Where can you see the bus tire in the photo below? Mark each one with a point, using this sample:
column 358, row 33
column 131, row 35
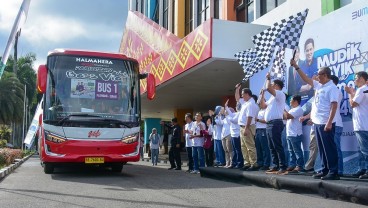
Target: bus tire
column 117, row 168
column 48, row 168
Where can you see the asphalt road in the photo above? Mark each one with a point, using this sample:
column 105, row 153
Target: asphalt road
column 139, row 185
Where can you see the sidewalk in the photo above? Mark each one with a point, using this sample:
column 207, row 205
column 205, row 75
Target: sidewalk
column 347, row 189
column 164, row 158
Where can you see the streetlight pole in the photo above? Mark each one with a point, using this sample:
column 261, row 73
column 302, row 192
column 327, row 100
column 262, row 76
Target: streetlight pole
column 24, row 112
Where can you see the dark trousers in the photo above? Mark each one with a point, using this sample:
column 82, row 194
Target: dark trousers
column 238, row 160
column 263, row 150
column 174, row 156
column 190, row 158
column 274, row 130
column 327, row 148
column 208, row 155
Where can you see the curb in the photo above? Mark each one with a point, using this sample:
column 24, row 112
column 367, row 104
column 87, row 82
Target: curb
column 346, row 190
column 163, row 161
column 7, row 170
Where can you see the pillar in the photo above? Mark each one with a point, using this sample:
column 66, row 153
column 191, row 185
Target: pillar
column 180, row 115
column 149, row 124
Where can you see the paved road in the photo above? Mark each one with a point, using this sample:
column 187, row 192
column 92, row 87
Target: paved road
column 139, row 185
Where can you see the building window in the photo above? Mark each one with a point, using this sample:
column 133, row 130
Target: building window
column 165, row 16
column 173, row 16
column 217, row 9
column 137, row 5
column 240, row 11
column 250, row 11
column 188, row 16
column 142, row 6
column 268, row 5
column 203, row 10
column 156, row 13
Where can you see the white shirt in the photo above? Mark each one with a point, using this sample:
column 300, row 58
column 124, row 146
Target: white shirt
column 287, row 108
column 275, row 106
column 260, row 116
column 225, row 128
column 248, row 109
column 232, row 118
column 360, row 112
column 294, row 126
column 188, row 141
column 324, row 96
column 338, row 118
column 196, row 129
column 217, row 130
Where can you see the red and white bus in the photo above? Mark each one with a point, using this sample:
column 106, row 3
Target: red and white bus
column 91, row 109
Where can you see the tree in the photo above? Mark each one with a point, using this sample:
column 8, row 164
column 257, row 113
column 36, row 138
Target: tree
column 25, row 74
column 11, row 98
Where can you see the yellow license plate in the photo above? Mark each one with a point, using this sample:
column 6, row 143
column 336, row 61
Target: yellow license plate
column 92, row 160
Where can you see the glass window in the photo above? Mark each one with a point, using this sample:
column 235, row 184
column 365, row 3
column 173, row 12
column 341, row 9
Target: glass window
column 203, row 10
column 268, row 5
column 173, row 16
column 166, row 14
column 142, row 6
column 240, row 11
column 250, row 11
column 217, row 9
column 156, row 13
column 188, row 16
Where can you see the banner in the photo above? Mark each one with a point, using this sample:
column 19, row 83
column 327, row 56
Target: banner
column 19, row 21
column 29, row 139
column 339, row 41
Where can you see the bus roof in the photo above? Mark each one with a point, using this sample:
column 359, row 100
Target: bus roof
column 89, row 53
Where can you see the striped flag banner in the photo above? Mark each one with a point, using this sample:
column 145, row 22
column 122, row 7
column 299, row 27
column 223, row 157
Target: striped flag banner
column 19, row 21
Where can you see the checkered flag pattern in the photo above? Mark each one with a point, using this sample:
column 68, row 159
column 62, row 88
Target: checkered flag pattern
column 284, row 34
column 278, row 69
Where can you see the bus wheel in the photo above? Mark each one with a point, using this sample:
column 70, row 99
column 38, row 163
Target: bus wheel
column 48, row 168
column 117, row 168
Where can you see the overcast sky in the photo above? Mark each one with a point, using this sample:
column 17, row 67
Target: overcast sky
column 79, row 24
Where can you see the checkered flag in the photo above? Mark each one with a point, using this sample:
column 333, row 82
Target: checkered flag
column 284, row 34
column 278, row 69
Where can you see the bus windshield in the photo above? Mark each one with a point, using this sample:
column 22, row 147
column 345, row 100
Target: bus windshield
column 95, row 86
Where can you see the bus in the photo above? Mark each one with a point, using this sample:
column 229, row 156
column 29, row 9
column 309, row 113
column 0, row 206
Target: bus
column 91, row 109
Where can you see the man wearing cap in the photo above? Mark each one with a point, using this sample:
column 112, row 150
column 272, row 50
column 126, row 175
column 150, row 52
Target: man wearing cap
column 246, row 121
column 217, row 130
column 322, row 115
column 174, row 152
column 274, row 117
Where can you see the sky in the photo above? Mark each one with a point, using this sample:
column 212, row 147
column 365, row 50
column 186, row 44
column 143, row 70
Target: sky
column 78, row 24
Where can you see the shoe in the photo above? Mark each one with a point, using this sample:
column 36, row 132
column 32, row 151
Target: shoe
column 244, row 168
column 330, row 177
column 274, row 169
column 364, row 176
column 359, row 173
column 188, row 171
column 309, row 170
column 253, row 168
column 281, row 172
column 171, row 168
column 298, row 170
column 194, row 172
column 264, row 168
column 178, row 168
column 318, row 175
column 290, row 168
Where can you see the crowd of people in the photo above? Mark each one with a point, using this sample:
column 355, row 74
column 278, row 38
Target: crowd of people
column 250, row 138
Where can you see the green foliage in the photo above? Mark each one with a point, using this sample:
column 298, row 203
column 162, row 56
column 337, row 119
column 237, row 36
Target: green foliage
column 5, row 133
column 3, row 143
column 11, row 98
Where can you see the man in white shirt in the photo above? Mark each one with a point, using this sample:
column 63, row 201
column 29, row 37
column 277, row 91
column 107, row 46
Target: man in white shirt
column 188, row 140
column 247, row 125
column 273, row 116
column 217, row 131
column 322, row 115
column 338, row 129
column 359, row 102
column 294, row 132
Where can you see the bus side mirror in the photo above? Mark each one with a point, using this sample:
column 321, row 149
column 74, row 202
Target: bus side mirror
column 41, row 79
column 151, row 86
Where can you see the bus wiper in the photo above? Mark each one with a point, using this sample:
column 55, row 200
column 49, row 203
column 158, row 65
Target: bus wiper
column 116, row 121
column 80, row 115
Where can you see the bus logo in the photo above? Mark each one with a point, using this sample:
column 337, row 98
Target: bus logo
column 94, row 134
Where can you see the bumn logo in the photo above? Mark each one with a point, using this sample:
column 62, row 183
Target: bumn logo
column 94, row 134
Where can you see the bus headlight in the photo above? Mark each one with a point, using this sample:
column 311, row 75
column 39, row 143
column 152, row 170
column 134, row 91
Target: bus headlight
column 54, row 138
column 130, row 139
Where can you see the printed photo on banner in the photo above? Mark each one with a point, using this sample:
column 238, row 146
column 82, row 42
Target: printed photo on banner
column 83, row 88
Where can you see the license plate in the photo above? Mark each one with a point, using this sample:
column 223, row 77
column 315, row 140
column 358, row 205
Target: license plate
column 92, row 160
